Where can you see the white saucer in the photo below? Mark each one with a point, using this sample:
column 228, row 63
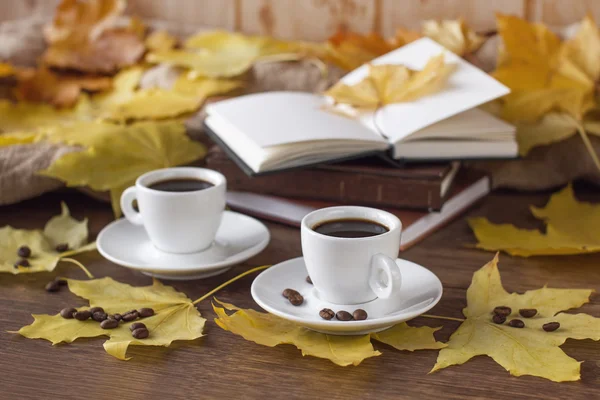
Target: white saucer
column 421, row 290
column 239, row 237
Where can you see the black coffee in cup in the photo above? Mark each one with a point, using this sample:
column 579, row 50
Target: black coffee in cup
column 181, row 185
column 350, row 228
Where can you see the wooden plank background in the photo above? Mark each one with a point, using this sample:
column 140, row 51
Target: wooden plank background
column 317, row 19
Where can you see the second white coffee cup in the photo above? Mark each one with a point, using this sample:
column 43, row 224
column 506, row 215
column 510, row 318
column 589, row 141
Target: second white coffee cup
column 177, row 222
column 352, row 270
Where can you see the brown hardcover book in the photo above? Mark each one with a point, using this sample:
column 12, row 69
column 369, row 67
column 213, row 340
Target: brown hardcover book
column 370, row 181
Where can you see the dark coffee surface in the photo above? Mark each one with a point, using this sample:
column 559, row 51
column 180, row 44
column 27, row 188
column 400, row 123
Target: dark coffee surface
column 350, row 228
column 180, row 185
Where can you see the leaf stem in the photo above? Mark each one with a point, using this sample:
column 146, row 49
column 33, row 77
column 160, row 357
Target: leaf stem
column 221, row 286
column 80, row 265
column 440, row 317
column 587, row 143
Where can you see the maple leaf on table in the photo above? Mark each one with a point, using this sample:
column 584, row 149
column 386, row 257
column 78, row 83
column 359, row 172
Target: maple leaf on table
column 570, row 229
column 454, row 35
column 175, row 318
column 526, row 351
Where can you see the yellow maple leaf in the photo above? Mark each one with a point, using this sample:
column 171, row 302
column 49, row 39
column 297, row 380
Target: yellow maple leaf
column 160, row 40
column 392, row 83
column 117, row 154
column 269, row 330
column 349, row 50
column 584, row 48
column 26, row 116
column 570, row 229
column 61, row 229
column 526, row 351
column 454, row 35
column 175, row 317
column 6, row 70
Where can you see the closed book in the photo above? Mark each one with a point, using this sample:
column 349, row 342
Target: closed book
column 369, row 181
column 416, row 225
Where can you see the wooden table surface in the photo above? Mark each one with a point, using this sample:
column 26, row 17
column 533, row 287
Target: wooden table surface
column 222, row 365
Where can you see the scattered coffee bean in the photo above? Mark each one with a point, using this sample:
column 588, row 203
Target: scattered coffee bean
column 498, row 319
column 24, row 252
column 309, row 280
column 99, row 316
column 145, row 312
column 296, row 299
column 22, row 263
column 502, row 310
column 327, row 314
column 343, row 315
column 137, row 325
column 82, row 315
column 109, row 323
column 53, row 286
column 551, row 326
column 288, row 292
column 62, row 247
column 359, row 314
column 516, row 323
column 130, row 316
column 140, row 333
column 67, row 313
column 527, row 312
column 96, row 309
column 118, row 317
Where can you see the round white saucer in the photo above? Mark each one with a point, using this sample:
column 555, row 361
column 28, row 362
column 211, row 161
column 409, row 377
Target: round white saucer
column 238, row 238
column 421, row 290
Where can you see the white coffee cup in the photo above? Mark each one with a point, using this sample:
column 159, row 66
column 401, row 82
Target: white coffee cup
column 352, row 270
column 177, row 222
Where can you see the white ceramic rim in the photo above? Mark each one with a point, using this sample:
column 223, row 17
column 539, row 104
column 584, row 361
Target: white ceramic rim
column 352, row 325
column 385, row 218
column 205, row 174
column 239, row 257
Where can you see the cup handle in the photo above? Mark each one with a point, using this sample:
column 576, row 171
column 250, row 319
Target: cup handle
column 384, row 266
column 127, row 198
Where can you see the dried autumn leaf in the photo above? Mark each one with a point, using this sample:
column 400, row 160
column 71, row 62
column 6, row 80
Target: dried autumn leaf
column 58, row 230
column 160, row 41
column 44, row 86
column 570, row 229
column 269, row 330
column 205, row 87
column 175, row 318
column 17, row 117
column 349, row 50
column 117, row 154
column 6, row 70
column 526, row 351
column 391, row 83
column 454, row 35
column 584, row 48
column 153, row 104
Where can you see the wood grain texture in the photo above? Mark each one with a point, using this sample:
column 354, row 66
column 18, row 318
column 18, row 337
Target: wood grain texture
column 222, row 365
column 560, row 12
column 204, row 13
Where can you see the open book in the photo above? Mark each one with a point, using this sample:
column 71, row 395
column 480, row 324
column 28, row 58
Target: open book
column 274, row 131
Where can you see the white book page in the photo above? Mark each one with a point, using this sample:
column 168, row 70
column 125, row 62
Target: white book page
column 467, row 87
column 279, row 118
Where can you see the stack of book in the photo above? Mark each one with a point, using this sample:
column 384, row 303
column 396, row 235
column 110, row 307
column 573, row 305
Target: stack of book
column 404, row 157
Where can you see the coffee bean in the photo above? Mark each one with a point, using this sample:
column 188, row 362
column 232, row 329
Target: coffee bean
column 24, row 252
column 109, row 323
column 359, row 314
column 137, row 325
column 327, row 314
column 22, row 263
column 498, row 319
column 551, row 326
column 309, row 280
column 296, row 299
column 62, row 247
column 67, row 313
column 130, row 316
column 527, row 312
column 343, row 315
column 145, row 312
column 96, row 309
column 502, row 310
column 53, row 286
column 118, row 317
column 288, row 292
column 99, row 316
column 516, row 323
column 140, row 333
column 82, row 315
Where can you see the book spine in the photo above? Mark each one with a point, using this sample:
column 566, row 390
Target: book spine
column 336, row 186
